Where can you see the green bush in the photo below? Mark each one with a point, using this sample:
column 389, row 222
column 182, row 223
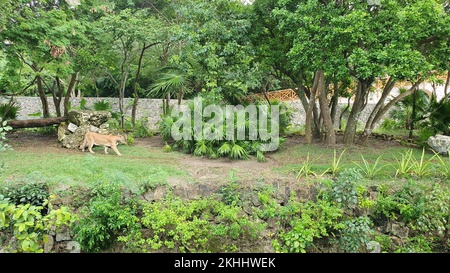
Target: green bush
column 28, row 224
column 32, row 189
column 201, row 225
column 8, row 111
column 221, row 145
column 355, row 235
column 3, row 130
column 310, row 221
column 105, row 217
column 343, row 190
column 102, row 105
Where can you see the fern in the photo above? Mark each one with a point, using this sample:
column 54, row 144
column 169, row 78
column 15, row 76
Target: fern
column 225, row 149
column 237, row 152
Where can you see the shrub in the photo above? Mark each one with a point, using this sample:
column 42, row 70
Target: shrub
column 8, row 111
column 315, row 220
column 104, row 218
column 102, row 105
column 32, row 189
column 3, row 130
column 343, row 190
column 354, row 235
column 27, row 224
column 201, row 225
column 221, row 144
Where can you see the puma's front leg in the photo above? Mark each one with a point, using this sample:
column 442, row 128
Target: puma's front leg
column 90, row 148
column 115, row 150
column 106, row 150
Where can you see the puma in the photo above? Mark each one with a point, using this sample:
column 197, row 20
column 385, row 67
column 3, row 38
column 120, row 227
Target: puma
column 108, row 141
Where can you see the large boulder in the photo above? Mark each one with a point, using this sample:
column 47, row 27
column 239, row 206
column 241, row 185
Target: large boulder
column 88, row 117
column 71, row 134
column 440, row 143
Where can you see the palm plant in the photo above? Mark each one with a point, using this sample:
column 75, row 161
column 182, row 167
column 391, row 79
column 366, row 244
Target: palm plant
column 438, row 117
column 171, row 81
column 411, row 109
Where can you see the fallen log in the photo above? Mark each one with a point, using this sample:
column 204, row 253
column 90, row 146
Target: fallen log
column 30, row 123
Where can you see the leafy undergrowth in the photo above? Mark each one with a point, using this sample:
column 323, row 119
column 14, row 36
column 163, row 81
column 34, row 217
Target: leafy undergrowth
column 314, row 199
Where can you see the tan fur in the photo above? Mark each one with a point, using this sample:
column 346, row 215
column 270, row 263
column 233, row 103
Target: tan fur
column 108, row 141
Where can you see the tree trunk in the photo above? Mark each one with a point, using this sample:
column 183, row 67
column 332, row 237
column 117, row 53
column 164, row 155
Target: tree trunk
column 334, row 102
column 413, row 114
column 57, row 97
column 358, row 105
column 309, row 110
column 447, row 81
column 330, row 136
column 343, row 113
column 392, row 102
column 43, row 97
column 302, row 93
column 30, row 123
column 370, row 123
column 136, row 95
column 121, row 99
column 70, row 88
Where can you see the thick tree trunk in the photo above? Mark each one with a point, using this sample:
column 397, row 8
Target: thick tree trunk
column 334, row 102
column 358, row 105
column 370, row 123
column 70, row 88
column 57, row 97
column 30, row 123
column 43, row 97
column 309, row 110
column 302, row 93
column 384, row 109
column 344, row 111
column 392, row 102
column 330, row 136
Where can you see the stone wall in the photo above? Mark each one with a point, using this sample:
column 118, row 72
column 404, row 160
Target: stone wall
column 149, row 109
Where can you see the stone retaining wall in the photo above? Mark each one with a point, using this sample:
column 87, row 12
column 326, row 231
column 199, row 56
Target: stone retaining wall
column 148, row 109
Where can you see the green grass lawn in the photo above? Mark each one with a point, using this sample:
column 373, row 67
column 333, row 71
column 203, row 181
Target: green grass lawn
column 137, row 164
column 152, row 165
column 381, row 162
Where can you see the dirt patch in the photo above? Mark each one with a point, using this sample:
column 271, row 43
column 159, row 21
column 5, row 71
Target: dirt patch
column 36, row 142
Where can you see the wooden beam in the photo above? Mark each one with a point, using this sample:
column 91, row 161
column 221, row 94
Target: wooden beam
column 30, row 123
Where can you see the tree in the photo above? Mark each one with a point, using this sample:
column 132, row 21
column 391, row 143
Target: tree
column 360, row 41
column 272, row 39
column 129, row 34
column 215, row 44
column 419, row 54
column 43, row 37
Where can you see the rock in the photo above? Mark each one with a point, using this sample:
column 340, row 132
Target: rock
column 74, row 140
column 63, row 234
column 74, row 247
column 87, row 117
column 72, row 127
column 48, row 246
column 62, row 131
column 399, row 230
column 440, row 144
column 374, row 247
column 71, row 136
